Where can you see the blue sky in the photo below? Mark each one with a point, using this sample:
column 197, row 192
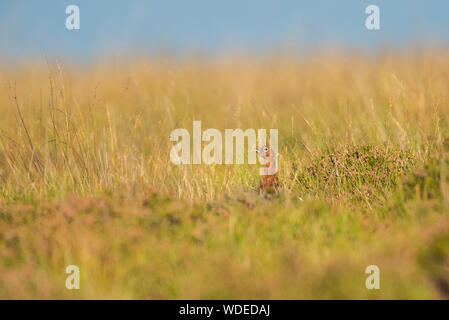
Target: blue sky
column 30, row 28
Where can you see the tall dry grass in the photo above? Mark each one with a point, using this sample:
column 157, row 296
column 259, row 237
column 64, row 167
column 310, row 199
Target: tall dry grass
column 78, row 130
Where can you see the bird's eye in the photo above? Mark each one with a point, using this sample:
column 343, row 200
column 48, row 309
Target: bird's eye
column 265, row 149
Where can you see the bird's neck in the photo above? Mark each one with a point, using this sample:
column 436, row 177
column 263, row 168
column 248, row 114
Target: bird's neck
column 270, row 167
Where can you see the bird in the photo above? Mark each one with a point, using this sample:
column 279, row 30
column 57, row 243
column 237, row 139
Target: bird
column 269, row 181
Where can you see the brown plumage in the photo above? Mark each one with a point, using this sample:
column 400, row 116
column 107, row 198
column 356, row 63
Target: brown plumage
column 269, row 181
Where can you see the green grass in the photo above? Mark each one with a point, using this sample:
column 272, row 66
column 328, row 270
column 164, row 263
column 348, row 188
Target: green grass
column 85, row 179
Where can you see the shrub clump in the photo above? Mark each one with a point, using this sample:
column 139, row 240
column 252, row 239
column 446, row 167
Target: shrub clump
column 355, row 172
column 428, row 181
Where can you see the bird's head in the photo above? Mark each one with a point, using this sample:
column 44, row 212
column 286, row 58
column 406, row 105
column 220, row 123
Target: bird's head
column 265, row 152
column 268, row 158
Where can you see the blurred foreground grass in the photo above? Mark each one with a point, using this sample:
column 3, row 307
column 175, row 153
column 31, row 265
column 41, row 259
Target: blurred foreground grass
column 85, row 179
